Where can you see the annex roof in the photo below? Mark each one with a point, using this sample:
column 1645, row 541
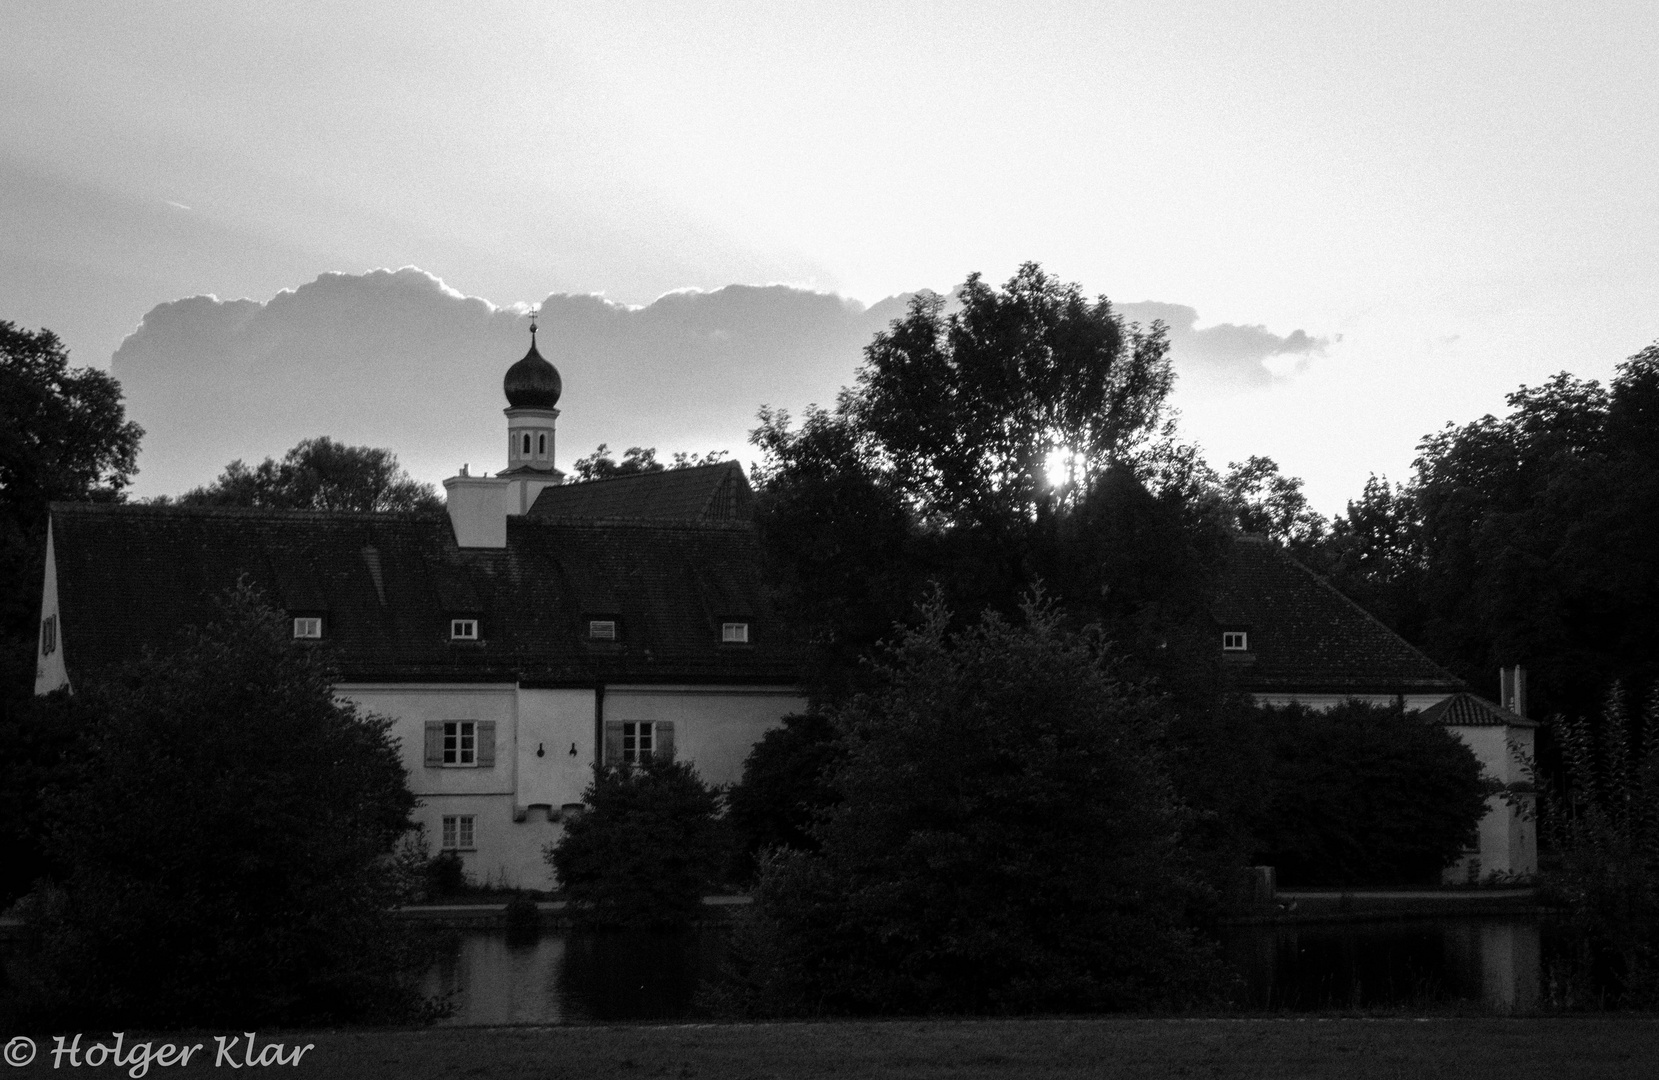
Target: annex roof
column 1306, row 637
column 718, row 492
column 1469, row 710
column 387, row 585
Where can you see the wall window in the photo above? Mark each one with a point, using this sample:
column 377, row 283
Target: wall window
column 634, row 742
column 1235, row 641
column 463, row 629
column 457, row 832
column 734, row 633
column 460, row 742
column 602, row 630
column 308, row 626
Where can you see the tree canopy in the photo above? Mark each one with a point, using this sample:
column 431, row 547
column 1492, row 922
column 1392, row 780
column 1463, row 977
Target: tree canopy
column 226, row 837
column 64, row 435
column 319, row 474
column 1006, row 840
column 600, row 465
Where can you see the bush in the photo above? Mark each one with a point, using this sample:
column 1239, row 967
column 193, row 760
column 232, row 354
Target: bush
column 783, row 790
column 1364, row 795
column 1006, row 840
column 229, row 836
column 446, row 874
column 649, row 844
column 1601, row 830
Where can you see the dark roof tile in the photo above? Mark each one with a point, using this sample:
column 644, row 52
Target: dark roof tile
column 717, row 492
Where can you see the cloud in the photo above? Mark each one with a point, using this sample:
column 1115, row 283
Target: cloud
column 1227, row 356
column 400, row 359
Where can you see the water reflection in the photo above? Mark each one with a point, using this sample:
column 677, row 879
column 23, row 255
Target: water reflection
column 602, row 978
column 1493, row 962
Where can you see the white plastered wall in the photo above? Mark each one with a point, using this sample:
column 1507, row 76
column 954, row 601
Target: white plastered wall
column 51, row 672
column 515, row 805
column 714, row 726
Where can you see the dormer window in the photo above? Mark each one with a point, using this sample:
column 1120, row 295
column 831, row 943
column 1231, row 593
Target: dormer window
column 308, row 627
column 463, row 629
column 602, row 630
column 734, row 633
column 1235, row 641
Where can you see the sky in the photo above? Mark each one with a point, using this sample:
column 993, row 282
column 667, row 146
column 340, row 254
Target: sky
column 1372, row 218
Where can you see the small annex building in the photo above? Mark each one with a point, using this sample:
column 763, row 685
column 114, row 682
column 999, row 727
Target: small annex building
column 1288, row 635
column 534, row 628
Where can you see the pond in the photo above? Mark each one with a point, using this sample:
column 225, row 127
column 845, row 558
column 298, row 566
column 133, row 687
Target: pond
column 565, row 978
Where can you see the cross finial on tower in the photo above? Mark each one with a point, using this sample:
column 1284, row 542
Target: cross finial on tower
column 535, row 313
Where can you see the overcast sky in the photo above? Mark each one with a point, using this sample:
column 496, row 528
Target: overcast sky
column 1384, row 216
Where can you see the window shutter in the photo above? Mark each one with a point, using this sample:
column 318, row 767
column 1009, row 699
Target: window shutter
column 613, row 742
column 486, row 744
column 664, row 731
column 434, row 743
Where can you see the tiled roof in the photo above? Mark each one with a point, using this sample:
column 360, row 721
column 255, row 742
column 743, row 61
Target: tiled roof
column 701, row 493
column 1468, row 710
column 1307, row 637
column 387, row 585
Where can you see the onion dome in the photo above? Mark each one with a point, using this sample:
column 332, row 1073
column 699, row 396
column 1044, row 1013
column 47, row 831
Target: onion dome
column 532, row 383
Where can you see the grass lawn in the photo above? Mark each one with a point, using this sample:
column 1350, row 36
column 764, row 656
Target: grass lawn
column 1279, row 1048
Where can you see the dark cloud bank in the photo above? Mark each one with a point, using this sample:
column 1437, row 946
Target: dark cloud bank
column 395, row 358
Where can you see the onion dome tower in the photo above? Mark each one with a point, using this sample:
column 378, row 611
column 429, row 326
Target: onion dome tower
column 532, row 387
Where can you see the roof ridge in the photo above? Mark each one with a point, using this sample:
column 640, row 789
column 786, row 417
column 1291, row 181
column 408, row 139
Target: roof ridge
column 650, row 472
column 178, row 510
column 545, row 520
column 1325, row 583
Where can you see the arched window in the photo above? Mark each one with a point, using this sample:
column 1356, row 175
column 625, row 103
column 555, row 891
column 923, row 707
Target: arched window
column 541, row 444
column 526, row 444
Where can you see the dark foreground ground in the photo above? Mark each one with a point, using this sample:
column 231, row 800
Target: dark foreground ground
column 1283, row 1049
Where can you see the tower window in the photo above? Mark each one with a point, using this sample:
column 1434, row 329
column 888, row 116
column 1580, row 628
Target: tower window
column 541, row 445
column 526, row 444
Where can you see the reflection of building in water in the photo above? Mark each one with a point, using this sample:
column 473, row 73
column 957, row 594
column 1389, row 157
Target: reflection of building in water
column 1287, row 635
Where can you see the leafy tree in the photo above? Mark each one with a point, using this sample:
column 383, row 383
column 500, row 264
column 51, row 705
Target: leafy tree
column 972, row 408
column 599, row 465
column 64, row 435
column 1600, row 826
column 227, row 839
column 784, row 788
column 645, row 850
column 320, row 474
column 1006, row 840
column 1270, row 504
column 1364, row 795
column 1531, row 538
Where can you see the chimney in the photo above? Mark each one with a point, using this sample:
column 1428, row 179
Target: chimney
column 1512, row 689
column 477, row 510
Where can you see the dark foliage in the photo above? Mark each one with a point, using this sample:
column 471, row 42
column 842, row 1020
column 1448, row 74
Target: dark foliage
column 599, row 465
column 446, row 874
column 1006, row 841
column 1600, row 823
column 645, row 850
column 784, row 788
column 320, row 474
column 1363, row 795
column 64, row 435
column 228, row 839
column 38, row 745
column 1530, row 539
